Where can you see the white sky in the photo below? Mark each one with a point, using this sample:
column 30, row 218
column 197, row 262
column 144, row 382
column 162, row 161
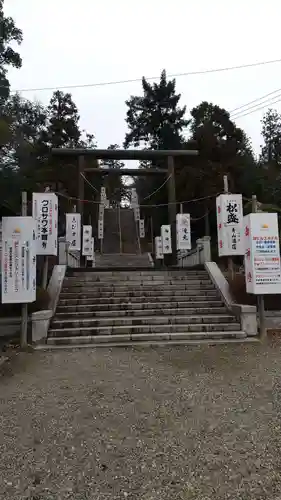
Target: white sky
column 68, row 42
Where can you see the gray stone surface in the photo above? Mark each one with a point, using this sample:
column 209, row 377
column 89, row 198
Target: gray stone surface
column 155, row 424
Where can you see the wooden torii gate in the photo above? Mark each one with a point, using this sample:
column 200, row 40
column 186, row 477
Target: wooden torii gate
column 131, row 154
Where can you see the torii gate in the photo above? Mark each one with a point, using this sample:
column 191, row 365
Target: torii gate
column 131, row 154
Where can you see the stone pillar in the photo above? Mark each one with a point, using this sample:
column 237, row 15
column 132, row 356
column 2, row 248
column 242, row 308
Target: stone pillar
column 205, row 242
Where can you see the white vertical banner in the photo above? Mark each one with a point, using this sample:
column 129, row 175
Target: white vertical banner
column 102, row 194
column 137, row 213
column 91, row 255
column 166, row 239
column 45, row 213
column 18, row 260
column 141, row 228
column 183, row 232
column 86, row 240
column 134, row 198
column 230, row 224
column 100, row 229
column 158, row 247
column 73, row 231
column 262, row 253
column 101, row 211
column 106, row 203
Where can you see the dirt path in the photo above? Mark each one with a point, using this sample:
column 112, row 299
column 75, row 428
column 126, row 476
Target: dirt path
column 165, row 424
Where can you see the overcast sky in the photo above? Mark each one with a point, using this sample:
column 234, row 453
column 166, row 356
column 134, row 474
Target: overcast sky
column 68, row 42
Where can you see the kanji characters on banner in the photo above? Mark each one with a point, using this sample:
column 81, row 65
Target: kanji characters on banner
column 142, row 228
column 86, row 240
column 262, row 253
column 45, row 213
column 103, row 194
column 91, row 255
column 183, row 232
column 100, row 229
column 158, row 248
column 18, row 260
column 137, row 213
column 166, row 239
column 73, row 231
column 230, row 224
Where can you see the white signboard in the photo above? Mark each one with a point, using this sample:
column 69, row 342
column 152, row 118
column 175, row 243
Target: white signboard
column 91, row 255
column 137, row 213
column 73, row 231
column 101, row 211
column 102, row 195
column 183, row 232
column 106, row 203
column 262, row 253
column 142, row 229
column 86, row 240
column 230, row 224
column 158, row 248
column 18, row 260
column 100, row 229
column 45, row 213
column 166, row 239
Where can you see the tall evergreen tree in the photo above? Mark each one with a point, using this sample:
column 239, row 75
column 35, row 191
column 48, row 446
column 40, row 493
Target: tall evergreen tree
column 9, row 34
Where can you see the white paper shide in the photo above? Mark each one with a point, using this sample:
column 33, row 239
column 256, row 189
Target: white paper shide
column 166, row 239
column 18, row 260
column 230, row 224
column 86, row 240
column 262, row 253
column 183, row 232
column 73, row 231
column 45, row 213
column 158, row 247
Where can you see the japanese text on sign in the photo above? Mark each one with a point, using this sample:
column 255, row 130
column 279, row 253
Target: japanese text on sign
column 73, row 231
column 45, row 213
column 230, row 224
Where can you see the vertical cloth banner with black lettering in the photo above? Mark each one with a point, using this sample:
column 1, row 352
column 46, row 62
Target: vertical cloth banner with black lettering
column 230, row 224
column 45, row 213
column 183, row 232
column 18, row 260
column 91, row 255
column 73, row 231
column 166, row 239
column 86, row 240
column 158, row 248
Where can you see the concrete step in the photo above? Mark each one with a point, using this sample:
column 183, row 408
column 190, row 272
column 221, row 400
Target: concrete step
column 140, row 299
column 99, row 277
column 119, row 275
column 135, row 283
column 86, row 289
column 160, row 337
column 69, row 331
column 142, row 320
column 136, row 312
column 138, row 293
column 140, row 306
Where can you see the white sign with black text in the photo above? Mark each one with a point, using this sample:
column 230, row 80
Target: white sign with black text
column 86, row 240
column 230, row 224
column 45, row 213
column 142, row 229
column 91, row 255
column 73, row 231
column 100, row 229
column 183, row 232
column 18, row 260
column 158, row 248
column 137, row 213
column 166, row 239
column 262, row 253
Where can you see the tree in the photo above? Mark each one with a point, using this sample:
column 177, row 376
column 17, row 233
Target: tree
column 270, row 158
column 8, row 56
column 156, row 118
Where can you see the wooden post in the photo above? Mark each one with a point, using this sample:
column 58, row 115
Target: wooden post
column 229, row 259
column 24, row 308
column 172, row 207
column 120, row 230
column 152, row 235
column 81, row 168
column 260, row 298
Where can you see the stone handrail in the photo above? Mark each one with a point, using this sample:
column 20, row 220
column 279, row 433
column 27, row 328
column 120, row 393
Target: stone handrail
column 198, row 255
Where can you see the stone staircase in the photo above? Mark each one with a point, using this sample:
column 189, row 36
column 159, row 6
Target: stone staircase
column 130, row 307
column 123, row 260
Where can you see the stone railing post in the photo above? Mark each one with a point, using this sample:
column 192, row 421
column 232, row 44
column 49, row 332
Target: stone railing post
column 205, row 243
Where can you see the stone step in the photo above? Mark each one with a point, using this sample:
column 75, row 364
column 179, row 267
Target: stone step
column 156, row 337
column 69, row 331
column 132, row 274
column 138, row 293
column 135, row 283
column 140, row 306
column 136, row 312
column 142, row 320
column 93, row 278
column 141, row 299
column 153, row 287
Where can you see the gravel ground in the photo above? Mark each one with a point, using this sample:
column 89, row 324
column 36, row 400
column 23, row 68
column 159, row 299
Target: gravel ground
column 165, row 424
